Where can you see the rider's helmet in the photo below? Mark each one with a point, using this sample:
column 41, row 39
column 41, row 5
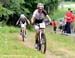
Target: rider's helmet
column 22, row 16
column 40, row 5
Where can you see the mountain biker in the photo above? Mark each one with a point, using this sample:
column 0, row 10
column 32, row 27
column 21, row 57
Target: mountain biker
column 38, row 17
column 23, row 20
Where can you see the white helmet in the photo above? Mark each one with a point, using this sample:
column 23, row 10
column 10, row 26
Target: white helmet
column 22, row 16
column 40, row 5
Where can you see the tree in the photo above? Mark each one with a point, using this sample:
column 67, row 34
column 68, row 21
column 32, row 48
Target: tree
column 27, row 7
column 4, row 12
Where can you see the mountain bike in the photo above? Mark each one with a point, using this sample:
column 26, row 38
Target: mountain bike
column 42, row 38
column 23, row 32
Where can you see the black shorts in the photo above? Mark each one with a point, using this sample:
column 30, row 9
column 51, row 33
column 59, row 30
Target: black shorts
column 60, row 27
column 54, row 28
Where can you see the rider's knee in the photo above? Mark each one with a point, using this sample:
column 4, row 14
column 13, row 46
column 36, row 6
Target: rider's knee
column 37, row 32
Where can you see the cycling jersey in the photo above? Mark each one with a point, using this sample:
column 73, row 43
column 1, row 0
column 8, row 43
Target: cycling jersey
column 22, row 20
column 39, row 17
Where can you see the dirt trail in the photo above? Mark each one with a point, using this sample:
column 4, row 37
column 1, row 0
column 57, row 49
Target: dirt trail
column 28, row 43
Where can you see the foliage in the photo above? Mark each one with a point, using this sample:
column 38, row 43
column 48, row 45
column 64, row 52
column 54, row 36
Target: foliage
column 13, row 8
column 11, row 47
column 4, row 12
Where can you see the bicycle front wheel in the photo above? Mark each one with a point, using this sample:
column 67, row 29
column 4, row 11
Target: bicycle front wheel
column 43, row 43
column 23, row 36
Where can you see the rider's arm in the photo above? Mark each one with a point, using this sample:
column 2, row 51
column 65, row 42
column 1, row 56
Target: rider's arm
column 32, row 20
column 47, row 15
column 17, row 21
column 48, row 18
column 27, row 20
column 33, row 17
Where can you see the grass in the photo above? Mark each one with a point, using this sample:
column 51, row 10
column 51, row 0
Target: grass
column 10, row 47
column 69, row 3
column 59, row 14
column 60, row 45
column 10, row 29
column 56, row 15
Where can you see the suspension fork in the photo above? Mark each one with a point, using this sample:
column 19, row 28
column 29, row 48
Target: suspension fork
column 41, row 31
column 40, row 34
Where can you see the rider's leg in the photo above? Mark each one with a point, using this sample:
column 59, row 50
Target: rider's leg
column 36, row 36
column 36, row 33
column 22, row 29
column 25, row 32
column 25, row 27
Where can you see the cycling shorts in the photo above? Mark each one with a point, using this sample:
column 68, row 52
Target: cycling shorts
column 38, row 27
column 23, row 25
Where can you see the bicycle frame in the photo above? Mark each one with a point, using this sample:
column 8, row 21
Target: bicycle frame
column 23, row 32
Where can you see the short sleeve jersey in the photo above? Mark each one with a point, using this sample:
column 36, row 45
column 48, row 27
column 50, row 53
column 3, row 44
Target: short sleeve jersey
column 39, row 17
column 22, row 20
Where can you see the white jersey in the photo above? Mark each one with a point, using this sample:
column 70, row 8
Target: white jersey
column 39, row 16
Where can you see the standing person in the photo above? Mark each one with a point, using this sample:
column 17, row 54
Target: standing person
column 54, row 25
column 37, row 18
column 60, row 25
column 63, row 26
column 72, row 21
column 68, row 18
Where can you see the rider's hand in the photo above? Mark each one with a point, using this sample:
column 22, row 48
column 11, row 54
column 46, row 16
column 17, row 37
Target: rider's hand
column 16, row 23
column 32, row 23
column 29, row 22
column 50, row 23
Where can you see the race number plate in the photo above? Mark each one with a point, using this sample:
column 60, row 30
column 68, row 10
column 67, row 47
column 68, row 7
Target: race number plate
column 22, row 25
column 42, row 25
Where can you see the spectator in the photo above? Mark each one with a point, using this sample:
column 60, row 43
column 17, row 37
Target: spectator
column 72, row 22
column 68, row 18
column 60, row 25
column 63, row 26
column 54, row 25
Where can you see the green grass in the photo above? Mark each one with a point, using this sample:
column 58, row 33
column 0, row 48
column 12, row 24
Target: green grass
column 10, row 47
column 59, row 14
column 60, row 45
column 10, row 29
column 69, row 3
column 56, row 15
